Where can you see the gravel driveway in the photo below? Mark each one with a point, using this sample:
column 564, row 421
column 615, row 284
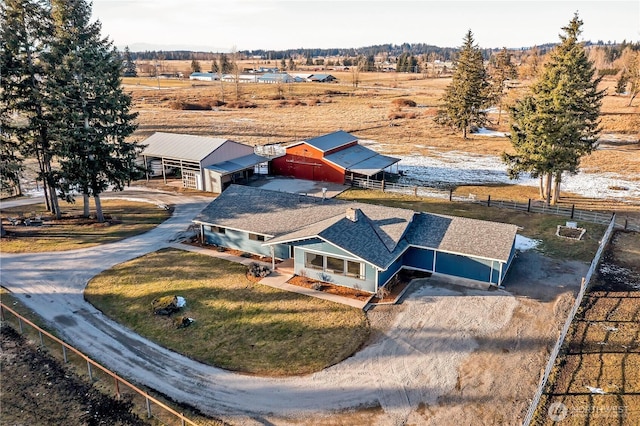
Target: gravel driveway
column 412, row 359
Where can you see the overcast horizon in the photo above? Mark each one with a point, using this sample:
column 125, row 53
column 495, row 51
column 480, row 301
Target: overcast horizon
column 219, row 26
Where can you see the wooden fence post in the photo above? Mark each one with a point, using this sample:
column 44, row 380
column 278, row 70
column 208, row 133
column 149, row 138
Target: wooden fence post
column 382, row 185
column 573, row 210
column 450, row 194
column 489, row 201
column 64, row 354
column 415, row 191
column 529, row 206
column 626, row 222
column 89, row 370
column 148, row 406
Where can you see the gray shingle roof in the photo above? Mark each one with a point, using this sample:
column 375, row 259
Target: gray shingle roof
column 331, row 141
column 178, row 146
column 379, row 235
column 461, row 235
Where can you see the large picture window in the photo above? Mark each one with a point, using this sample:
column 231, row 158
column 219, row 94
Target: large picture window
column 334, row 265
column 314, row 261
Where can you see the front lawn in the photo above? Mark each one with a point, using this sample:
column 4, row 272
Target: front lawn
column 124, row 219
column 239, row 325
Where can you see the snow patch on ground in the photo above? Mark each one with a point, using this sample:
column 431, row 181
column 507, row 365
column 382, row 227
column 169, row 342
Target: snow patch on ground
column 523, row 243
column 486, row 132
column 452, row 168
column 181, row 302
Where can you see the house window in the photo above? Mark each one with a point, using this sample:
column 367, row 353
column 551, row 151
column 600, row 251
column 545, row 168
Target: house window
column 354, row 269
column 256, row 237
column 335, row 265
column 218, row 229
column 314, row 261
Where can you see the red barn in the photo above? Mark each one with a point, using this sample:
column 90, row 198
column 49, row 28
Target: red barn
column 335, row 157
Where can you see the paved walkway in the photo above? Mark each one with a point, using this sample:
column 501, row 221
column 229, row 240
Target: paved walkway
column 277, row 279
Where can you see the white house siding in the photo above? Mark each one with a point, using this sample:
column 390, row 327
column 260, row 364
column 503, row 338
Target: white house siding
column 227, row 151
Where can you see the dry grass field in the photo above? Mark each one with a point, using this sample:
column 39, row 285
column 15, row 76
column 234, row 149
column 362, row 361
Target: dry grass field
column 311, row 109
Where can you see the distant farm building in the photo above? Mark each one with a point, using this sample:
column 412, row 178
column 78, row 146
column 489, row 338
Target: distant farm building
column 335, row 157
column 322, row 78
column 272, row 78
column 209, row 164
column 203, row 76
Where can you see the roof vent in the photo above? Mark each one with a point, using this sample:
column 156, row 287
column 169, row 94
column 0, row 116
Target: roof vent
column 352, row 214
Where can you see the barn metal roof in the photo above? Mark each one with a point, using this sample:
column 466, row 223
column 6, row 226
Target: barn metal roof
column 361, row 160
column 331, row 141
column 237, row 164
column 181, row 147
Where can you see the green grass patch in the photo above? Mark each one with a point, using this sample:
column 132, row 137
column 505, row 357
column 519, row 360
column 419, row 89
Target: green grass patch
column 239, row 325
column 534, row 225
column 125, row 219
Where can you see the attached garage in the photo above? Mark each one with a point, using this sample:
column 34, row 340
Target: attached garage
column 204, row 163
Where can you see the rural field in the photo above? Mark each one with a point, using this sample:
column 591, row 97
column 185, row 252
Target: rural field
column 263, row 114
column 596, row 380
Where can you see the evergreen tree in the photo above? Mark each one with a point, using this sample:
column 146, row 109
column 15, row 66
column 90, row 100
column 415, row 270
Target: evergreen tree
column 90, row 107
column 215, row 67
column 195, row 66
column 629, row 80
column 128, row 64
column 467, row 96
column 225, row 67
column 25, row 33
column 558, row 123
column 292, row 65
column 501, row 70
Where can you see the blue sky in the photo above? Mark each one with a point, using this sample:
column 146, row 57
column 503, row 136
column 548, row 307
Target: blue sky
column 215, row 25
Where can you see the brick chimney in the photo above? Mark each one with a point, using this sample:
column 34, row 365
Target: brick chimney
column 352, row 214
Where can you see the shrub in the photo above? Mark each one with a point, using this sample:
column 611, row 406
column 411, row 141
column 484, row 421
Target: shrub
column 246, row 255
column 165, row 305
column 182, row 321
column 185, row 106
column 256, row 270
column 404, row 103
column 241, row 104
column 317, row 286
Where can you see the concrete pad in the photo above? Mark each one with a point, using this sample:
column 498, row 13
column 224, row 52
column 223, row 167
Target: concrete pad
column 300, row 186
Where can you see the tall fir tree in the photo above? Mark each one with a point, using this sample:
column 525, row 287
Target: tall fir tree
column 90, row 107
column 558, row 123
column 25, row 36
column 129, row 68
column 501, row 70
column 467, row 96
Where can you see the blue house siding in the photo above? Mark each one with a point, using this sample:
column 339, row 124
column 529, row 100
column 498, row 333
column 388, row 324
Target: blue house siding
column 418, row 258
column 368, row 282
column 464, row 267
column 384, row 276
column 239, row 240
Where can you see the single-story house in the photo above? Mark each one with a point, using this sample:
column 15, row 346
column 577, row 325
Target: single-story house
column 204, row 76
column 208, row 164
column 335, row 157
column 354, row 244
column 322, row 78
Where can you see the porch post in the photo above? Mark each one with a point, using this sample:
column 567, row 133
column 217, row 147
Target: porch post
column 273, row 258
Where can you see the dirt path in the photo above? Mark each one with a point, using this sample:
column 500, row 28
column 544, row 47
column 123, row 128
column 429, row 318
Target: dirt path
column 423, row 353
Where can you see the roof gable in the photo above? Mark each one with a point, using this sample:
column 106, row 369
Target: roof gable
column 180, row 146
column 331, row 141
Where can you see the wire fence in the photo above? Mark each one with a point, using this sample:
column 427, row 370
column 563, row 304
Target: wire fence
column 531, row 206
column 145, row 403
column 563, row 334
